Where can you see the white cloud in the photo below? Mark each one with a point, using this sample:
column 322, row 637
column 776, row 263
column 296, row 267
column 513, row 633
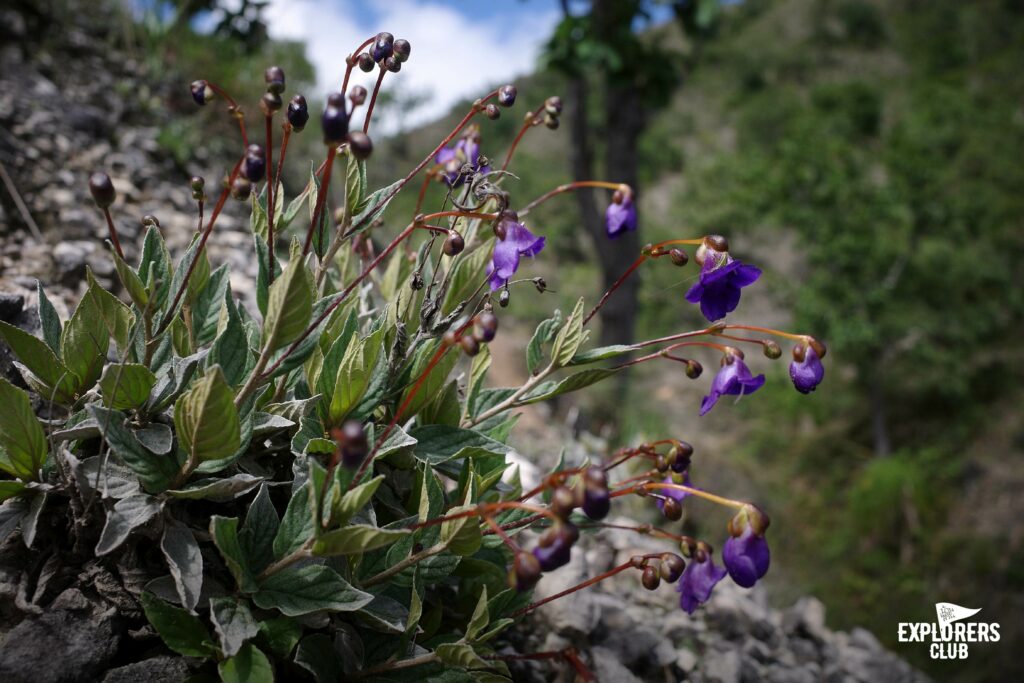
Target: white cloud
column 453, row 56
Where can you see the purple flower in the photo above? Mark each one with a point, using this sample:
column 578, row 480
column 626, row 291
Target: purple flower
column 697, row 581
column 676, row 494
column 559, row 553
column 465, row 151
column 734, row 378
column 721, row 278
column 808, row 372
column 519, row 241
column 620, row 217
column 746, row 557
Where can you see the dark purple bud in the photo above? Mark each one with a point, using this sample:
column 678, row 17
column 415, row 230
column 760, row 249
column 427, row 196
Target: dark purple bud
column 716, row 242
column 366, row 62
column 393, row 64
column 241, row 188
column 334, row 121
column 525, row 572
column 553, row 105
column 255, row 165
column 679, row 457
column 485, row 326
column 507, row 95
column 745, row 552
column 270, row 103
column 470, row 346
column 679, row 257
column 557, row 551
column 772, row 349
column 357, row 95
column 298, row 113
column 693, row 369
column 402, row 49
column 597, row 502
column 650, row 578
column 197, row 184
column 102, row 189
column 672, row 509
column 672, row 567
column 562, row 502
column 492, row 112
column 352, row 443
column 383, row 46
column 360, row 144
column 201, row 92
column 274, row 78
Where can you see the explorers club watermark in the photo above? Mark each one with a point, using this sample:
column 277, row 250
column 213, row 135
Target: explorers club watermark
column 949, row 637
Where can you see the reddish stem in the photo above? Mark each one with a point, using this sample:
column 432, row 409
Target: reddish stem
column 527, row 125
column 321, row 197
column 580, row 586
column 268, row 120
column 233, row 108
column 199, row 225
column 113, row 232
column 270, row 219
column 373, row 99
column 615, row 285
column 351, row 62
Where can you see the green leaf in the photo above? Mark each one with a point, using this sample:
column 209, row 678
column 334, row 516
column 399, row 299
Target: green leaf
column 206, row 419
column 258, row 530
column 440, row 443
column 262, row 273
column 297, row 524
column 23, row 446
column 126, row 386
column 477, row 374
column 49, row 321
column 354, row 373
column 302, row 590
column 544, row 334
column 250, row 665
column 184, row 560
column 233, row 623
column 280, row 635
column 355, row 538
column 132, row 282
column 601, row 353
column 372, row 207
column 290, row 303
column 224, row 532
column 574, row 382
column 219, row 490
column 206, row 308
column 461, row 655
column 83, row 346
column 41, row 361
column 569, row 338
column 496, row 628
column 231, row 348
column 462, row 536
column 155, row 266
column 355, row 184
column 316, row 654
column 154, row 471
column 10, row 489
column 126, row 515
column 117, row 318
column 481, row 617
column 180, row 630
column 353, row 501
column 435, row 379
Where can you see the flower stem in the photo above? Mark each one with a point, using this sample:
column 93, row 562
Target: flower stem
column 113, row 232
column 615, row 285
column 301, row 553
column 234, row 109
column 656, row 485
column 271, row 187
column 350, row 63
column 529, row 122
column 321, row 197
column 568, row 187
column 580, row 586
column 373, row 99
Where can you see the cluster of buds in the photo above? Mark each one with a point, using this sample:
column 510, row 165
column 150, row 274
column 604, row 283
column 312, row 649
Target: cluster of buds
column 668, row 568
column 483, row 329
column 271, row 102
column 552, row 112
column 254, row 168
column 385, row 52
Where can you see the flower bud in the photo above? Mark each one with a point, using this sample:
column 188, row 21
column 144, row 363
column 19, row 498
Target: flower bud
column 504, row 298
column 818, row 347
column 500, row 229
column 298, row 112
column 492, row 112
column 597, row 502
column 485, row 326
column 650, row 578
column 507, row 95
column 716, row 242
column 453, row 244
column 402, row 49
column 678, row 257
column 679, row 457
column 562, row 502
column 102, row 189
column 255, row 164
column 360, row 144
column 672, row 567
column 383, row 46
column 392, row 64
column 470, row 346
column 201, row 92
column 661, row 463
column 274, row 78
column 772, row 349
column 525, row 572
column 700, row 254
column 551, row 121
column 799, row 353
column 353, row 446
column 241, row 188
column 150, row 221
column 357, row 95
column 334, row 122
column 197, row 184
column 672, row 509
column 553, row 105
column 270, row 103
column 366, row 62
column 693, row 369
